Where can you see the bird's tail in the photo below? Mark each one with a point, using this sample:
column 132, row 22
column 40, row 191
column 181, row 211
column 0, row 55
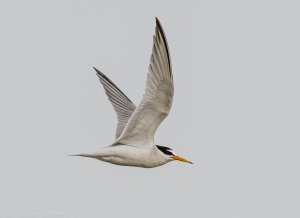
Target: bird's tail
column 83, row 155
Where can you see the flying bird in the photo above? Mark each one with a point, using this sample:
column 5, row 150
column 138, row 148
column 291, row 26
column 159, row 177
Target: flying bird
column 134, row 141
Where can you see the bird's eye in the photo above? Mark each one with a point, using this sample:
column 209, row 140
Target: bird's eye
column 172, row 152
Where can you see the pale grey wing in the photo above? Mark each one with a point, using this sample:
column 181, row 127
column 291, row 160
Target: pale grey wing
column 120, row 102
column 157, row 99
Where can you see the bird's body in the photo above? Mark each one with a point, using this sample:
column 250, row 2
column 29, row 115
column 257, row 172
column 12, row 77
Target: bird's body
column 134, row 143
column 128, row 155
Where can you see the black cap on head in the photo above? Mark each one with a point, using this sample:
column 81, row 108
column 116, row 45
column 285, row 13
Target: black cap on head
column 165, row 150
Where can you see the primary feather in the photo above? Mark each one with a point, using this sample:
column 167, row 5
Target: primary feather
column 120, row 102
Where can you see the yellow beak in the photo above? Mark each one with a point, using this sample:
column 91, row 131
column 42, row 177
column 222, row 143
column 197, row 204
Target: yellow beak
column 181, row 159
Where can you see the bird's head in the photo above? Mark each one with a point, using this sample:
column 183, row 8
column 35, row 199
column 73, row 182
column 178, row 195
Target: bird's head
column 169, row 153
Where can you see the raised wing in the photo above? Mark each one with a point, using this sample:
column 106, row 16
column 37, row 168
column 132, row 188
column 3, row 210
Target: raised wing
column 121, row 103
column 158, row 96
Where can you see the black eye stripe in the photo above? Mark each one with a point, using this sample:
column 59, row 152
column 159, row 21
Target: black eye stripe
column 165, row 150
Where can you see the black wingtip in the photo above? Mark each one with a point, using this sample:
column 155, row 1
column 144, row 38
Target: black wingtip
column 98, row 72
column 96, row 69
column 160, row 29
column 158, row 23
column 101, row 75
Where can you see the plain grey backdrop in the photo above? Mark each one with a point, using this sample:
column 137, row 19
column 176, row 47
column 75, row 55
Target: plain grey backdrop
column 235, row 112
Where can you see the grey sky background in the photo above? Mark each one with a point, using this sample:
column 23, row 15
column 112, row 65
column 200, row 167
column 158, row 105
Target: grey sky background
column 235, row 113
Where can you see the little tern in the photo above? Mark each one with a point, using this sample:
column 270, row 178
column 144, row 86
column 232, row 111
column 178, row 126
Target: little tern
column 134, row 141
